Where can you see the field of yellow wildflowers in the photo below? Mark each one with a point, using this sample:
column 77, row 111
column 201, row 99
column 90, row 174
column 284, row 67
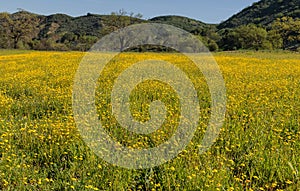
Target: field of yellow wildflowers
column 258, row 147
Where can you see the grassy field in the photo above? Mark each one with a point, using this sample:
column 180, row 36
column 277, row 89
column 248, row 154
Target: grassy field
column 258, row 147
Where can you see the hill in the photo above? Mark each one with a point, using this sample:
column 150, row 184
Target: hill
column 27, row 30
column 267, row 24
column 185, row 23
column 263, row 13
column 90, row 24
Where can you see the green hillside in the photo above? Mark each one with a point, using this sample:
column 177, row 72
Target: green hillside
column 185, row 23
column 25, row 30
column 263, row 13
column 267, row 24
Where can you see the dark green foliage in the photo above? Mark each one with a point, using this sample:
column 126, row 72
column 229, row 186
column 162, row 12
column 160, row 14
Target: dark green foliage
column 191, row 25
column 289, row 30
column 245, row 37
column 267, row 24
column 24, row 30
column 18, row 29
column 263, row 13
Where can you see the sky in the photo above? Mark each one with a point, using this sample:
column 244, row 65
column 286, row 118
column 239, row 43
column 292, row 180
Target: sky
column 209, row 11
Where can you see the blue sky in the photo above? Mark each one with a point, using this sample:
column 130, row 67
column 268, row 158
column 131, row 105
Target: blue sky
column 210, row 11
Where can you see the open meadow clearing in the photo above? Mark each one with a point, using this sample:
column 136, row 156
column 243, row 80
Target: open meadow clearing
column 258, row 147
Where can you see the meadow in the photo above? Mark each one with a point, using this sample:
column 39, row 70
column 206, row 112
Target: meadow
column 258, row 147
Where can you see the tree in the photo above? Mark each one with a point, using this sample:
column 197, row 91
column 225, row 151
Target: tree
column 21, row 28
column 246, row 37
column 5, row 32
column 289, row 30
column 85, row 42
column 275, row 39
column 212, row 45
column 252, row 37
column 118, row 21
column 230, row 40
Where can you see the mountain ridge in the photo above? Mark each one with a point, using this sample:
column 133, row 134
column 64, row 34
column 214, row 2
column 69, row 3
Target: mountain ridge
column 25, row 30
column 263, row 13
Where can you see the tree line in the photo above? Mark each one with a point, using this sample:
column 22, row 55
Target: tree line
column 24, row 30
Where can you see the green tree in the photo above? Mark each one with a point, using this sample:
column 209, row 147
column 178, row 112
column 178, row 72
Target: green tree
column 21, row 28
column 275, row 39
column 245, row 37
column 289, row 30
column 119, row 20
column 5, row 32
column 212, row 45
column 230, row 40
column 252, row 37
column 85, row 42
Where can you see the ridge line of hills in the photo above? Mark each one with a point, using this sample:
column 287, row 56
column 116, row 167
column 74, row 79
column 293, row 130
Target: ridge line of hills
column 267, row 24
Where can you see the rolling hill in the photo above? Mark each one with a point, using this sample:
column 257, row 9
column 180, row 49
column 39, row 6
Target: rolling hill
column 25, row 30
column 185, row 23
column 57, row 31
column 263, row 13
